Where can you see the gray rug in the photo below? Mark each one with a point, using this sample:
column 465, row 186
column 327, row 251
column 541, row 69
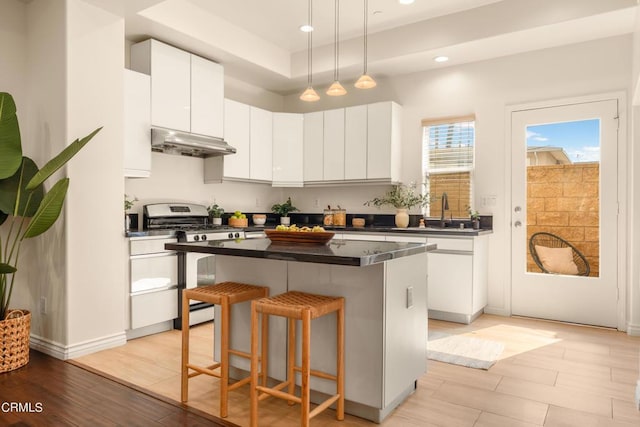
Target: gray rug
column 463, row 350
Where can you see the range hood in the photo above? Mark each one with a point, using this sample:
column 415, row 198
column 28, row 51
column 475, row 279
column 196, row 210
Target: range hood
column 188, row 144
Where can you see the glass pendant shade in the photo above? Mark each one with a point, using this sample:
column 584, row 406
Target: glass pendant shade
column 365, row 82
column 309, row 95
column 336, row 89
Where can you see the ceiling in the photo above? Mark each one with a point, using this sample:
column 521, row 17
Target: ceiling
column 258, row 41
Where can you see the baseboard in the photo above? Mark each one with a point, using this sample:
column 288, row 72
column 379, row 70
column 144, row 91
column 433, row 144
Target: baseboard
column 62, row 352
column 633, row 330
column 497, row 311
column 637, row 400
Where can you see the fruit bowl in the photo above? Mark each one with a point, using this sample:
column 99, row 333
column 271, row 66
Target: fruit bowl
column 303, row 237
column 238, row 222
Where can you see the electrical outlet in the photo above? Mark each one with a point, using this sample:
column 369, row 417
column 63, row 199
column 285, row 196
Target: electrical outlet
column 43, row 305
column 316, row 203
column 409, row 296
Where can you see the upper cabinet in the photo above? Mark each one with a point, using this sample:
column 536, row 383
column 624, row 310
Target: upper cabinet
column 137, row 124
column 238, row 135
column 313, row 146
column 288, row 131
column 207, row 97
column 261, row 154
column 333, row 145
column 187, row 91
column 353, row 145
column 383, row 141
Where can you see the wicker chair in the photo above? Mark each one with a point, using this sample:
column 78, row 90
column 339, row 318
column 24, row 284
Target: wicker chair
column 552, row 241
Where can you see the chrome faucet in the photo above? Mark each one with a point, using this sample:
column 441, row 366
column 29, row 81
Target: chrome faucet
column 444, row 201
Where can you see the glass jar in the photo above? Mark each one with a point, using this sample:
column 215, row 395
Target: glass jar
column 339, row 217
column 327, row 219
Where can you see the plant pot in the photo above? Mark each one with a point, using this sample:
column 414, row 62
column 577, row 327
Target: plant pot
column 476, row 224
column 216, row 221
column 127, row 222
column 285, row 220
column 402, row 218
column 14, row 340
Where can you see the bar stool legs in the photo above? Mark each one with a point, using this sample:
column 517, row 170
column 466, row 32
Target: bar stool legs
column 304, row 307
column 225, row 294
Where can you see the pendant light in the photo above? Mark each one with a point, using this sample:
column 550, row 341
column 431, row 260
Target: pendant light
column 365, row 81
column 310, row 95
column 336, row 88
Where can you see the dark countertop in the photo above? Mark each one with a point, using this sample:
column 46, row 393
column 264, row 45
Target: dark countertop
column 428, row 231
column 340, row 252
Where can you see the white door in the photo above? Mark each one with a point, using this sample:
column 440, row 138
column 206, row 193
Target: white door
column 564, row 182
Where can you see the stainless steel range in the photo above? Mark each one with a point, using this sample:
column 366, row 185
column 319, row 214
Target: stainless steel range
column 191, row 224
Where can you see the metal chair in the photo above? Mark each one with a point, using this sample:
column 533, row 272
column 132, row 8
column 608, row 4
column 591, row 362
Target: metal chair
column 552, row 241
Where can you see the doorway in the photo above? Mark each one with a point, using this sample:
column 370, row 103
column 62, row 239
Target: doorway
column 564, row 175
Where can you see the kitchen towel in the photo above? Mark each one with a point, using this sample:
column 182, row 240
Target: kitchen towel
column 463, row 350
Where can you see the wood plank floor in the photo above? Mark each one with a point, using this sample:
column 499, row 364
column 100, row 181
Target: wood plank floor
column 550, row 374
column 52, row 392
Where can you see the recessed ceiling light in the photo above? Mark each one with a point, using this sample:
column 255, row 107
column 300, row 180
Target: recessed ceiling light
column 441, row 58
column 306, row 28
column 405, row 1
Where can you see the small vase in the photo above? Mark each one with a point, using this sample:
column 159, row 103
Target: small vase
column 476, row 224
column 127, row 222
column 285, row 220
column 402, row 218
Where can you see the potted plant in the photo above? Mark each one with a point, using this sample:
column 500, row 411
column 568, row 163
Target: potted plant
column 28, row 211
column 128, row 204
column 283, row 209
column 475, row 218
column 215, row 212
column 402, row 198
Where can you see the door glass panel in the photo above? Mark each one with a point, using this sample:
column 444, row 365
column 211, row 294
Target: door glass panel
column 563, row 182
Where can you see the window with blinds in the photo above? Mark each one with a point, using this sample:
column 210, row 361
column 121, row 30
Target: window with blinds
column 447, row 164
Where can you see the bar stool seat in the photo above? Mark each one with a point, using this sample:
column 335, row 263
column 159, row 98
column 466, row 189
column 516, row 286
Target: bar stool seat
column 224, row 294
column 296, row 306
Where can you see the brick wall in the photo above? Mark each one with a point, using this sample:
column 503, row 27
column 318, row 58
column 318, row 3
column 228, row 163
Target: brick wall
column 564, row 200
column 458, row 189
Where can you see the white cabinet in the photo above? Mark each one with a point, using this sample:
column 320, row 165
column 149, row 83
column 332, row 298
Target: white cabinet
column 261, row 153
column 137, row 124
column 207, row 97
column 458, row 278
column 237, row 117
column 383, row 141
column 333, row 145
column 287, row 150
column 187, row 91
column 355, row 140
column 313, row 146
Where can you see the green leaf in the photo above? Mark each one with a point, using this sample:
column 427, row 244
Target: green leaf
column 49, row 210
column 10, row 187
column 10, row 144
column 7, row 269
column 60, row 160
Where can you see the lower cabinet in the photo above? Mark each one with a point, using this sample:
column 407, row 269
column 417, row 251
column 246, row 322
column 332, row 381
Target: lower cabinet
column 457, row 278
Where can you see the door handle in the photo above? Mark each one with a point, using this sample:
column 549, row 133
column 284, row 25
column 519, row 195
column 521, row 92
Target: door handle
column 517, row 209
column 517, row 224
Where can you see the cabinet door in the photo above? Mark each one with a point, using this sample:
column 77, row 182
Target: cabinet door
column 287, row 149
column 170, row 87
column 355, row 142
column 450, row 282
column 333, row 147
column 207, row 97
column 379, row 140
column 313, row 146
column 137, row 123
column 261, row 144
column 237, row 133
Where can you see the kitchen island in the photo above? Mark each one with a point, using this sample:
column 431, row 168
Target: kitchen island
column 385, row 289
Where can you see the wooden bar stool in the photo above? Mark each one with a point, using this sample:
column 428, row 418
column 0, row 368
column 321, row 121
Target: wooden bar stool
column 305, row 307
column 224, row 294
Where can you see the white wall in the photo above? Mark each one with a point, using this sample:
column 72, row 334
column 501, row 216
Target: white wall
column 95, row 244
column 485, row 88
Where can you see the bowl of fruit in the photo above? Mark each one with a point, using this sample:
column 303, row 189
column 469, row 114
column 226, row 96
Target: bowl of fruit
column 315, row 235
column 238, row 219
